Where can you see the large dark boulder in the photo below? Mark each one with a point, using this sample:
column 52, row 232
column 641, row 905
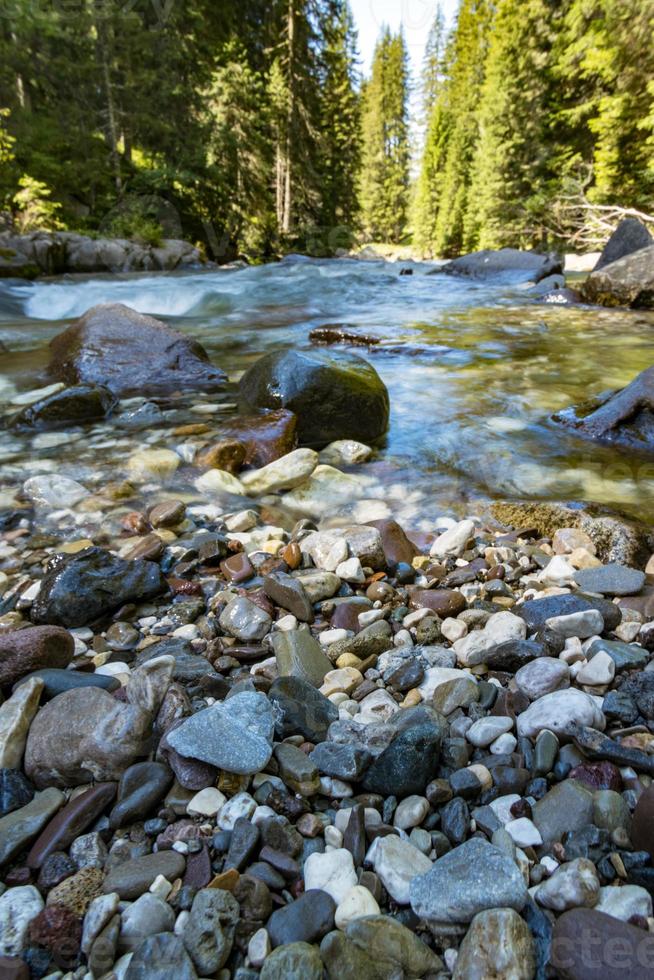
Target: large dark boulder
column 506, row 265
column 335, row 395
column 630, row 236
column 627, row 282
column 626, row 417
column 83, row 403
column 79, row 589
column 129, row 353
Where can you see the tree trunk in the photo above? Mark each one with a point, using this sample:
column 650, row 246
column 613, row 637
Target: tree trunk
column 112, row 122
column 290, row 119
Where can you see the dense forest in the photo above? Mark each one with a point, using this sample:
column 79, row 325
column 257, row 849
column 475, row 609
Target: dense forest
column 246, row 125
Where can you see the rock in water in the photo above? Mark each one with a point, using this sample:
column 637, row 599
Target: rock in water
column 627, row 417
column 627, row 282
column 82, row 403
column 505, row 265
column 86, row 734
column 265, row 437
column 235, row 735
column 335, row 395
column 630, row 236
column 128, row 352
column 81, row 588
column 469, row 879
column 35, row 648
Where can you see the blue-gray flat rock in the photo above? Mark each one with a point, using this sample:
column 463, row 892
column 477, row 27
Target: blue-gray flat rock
column 235, row 735
column 611, row 579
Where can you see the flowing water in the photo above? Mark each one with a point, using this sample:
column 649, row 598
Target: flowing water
column 474, row 371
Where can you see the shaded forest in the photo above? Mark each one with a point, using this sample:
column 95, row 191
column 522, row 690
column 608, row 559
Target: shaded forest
column 248, row 127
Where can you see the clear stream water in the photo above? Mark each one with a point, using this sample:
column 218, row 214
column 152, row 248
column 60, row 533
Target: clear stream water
column 474, row 370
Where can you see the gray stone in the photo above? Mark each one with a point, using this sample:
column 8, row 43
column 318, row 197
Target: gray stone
column 306, row 920
column 244, row 620
column 297, row 961
column 610, row 579
column 235, row 735
column 21, row 826
column 132, row 878
column 161, row 957
column 298, row 654
column 145, row 917
column 343, row 761
column 567, row 807
column 469, row 879
column 289, row 593
column 300, row 708
column 209, row 932
column 393, row 944
column 408, row 764
column 625, row 656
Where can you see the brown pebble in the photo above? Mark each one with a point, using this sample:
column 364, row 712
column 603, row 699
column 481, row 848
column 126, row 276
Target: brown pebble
column 292, row 555
column 228, row 880
column 169, row 513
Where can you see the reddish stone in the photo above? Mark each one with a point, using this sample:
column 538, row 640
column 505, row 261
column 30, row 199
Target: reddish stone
column 238, row 568
column 642, row 823
column 444, row 602
column 265, row 437
column 589, row 945
column 598, row 775
column 397, row 546
column 18, row 876
column 34, row 648
column 12, row 968
column 181, row 830
column 346, row 615
column 134, row 523
column 182, row 586
column 58, row 930
column 226, row 454
column 198, row 872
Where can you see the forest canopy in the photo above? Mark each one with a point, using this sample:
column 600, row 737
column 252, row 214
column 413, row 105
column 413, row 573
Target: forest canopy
column 247, row 126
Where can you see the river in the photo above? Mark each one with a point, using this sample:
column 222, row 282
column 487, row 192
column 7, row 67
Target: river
column 474, row 370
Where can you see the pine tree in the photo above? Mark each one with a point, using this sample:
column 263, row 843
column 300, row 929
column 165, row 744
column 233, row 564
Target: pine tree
column 459, row 117
column 507, row 201
column 433, row 63
column 339, row 125
column 386, row 150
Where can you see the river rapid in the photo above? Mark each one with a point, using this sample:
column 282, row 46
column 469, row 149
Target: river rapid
column 475, row 371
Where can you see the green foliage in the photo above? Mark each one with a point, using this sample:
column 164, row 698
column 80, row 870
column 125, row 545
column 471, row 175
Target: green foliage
column 386, row 151
column 138, row 227
column 33, row 208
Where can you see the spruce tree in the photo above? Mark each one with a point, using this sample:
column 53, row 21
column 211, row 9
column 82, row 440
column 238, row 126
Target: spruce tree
column 507, row 202
column 386, row 150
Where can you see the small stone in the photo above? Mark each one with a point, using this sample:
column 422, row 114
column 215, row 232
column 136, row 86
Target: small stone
column 16, row 716
column 297, row 961
column 298, row 654
column 18, row 906
column 245, row 621
column 297, row 770
column 410, row 812
column 523, row 832
column 160, row 957
column 397, row 863
column 153, row 464
column 34, row 648
column 600, row 670
column 541, row 677
column 497, row 944
column 77, row 892
column 145, row 917
column 484, row 731
column 301, row 709
column 624, row 902
column 207, row 803
column 209, row 933
column 19, row 827
column 132, row 878
column 560, row 712
column 572, row 885
column 407, row 765
column 357, row 904
column 307, row 919
column 453, row 541
column 333, row 872
column 289, row 593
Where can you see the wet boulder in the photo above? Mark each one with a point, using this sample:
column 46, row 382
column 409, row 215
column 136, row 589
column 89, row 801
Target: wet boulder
column 625, row 418
column 129, row 353
column 82, row 403
column 629, row 281
column 335, row 394
column 341, row 333
column 507, row 265
column 630, row 236
column 78, row 589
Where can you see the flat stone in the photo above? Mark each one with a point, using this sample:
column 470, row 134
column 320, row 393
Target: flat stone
column 397, row 863
column 141, row 787
column 57, row 680
column 469, row 879
column 285, row 473
column 442, row 602
column 79, row 589
column 536, row 612
column 297, row 961
column 147, row 916
column 407, row 765
column 584, row 945
column 297, row 770
column 332, row 872
column 298, row 654
column 235, row 735
column 27, row 650
column 132, row 878
column 625, row 656
column 301, row 709
column 513, row 654
column 210, row 931
column 160, row 957
column 611, row 580
column 20, row 827
column 453, row 541
column 587, row 622
column 70, row 822
column 289, row 593
column 306, row 920
column 394, row 946
column 497, row 944
column 18, row 906
column 16, row 716
column 568, row 806
column 245, row 621
column 342, row 761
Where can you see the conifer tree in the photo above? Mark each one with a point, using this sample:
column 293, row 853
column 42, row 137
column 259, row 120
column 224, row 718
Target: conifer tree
column 386, row 151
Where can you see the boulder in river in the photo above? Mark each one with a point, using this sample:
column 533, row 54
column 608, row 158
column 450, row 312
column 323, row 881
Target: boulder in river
column 129, row 353
column 264, row 437
column 82, row 403
column 510, row 265
column 627, row 282
column 335, row 394
column 630, row 236
column 626, row 417
column 79, row 589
